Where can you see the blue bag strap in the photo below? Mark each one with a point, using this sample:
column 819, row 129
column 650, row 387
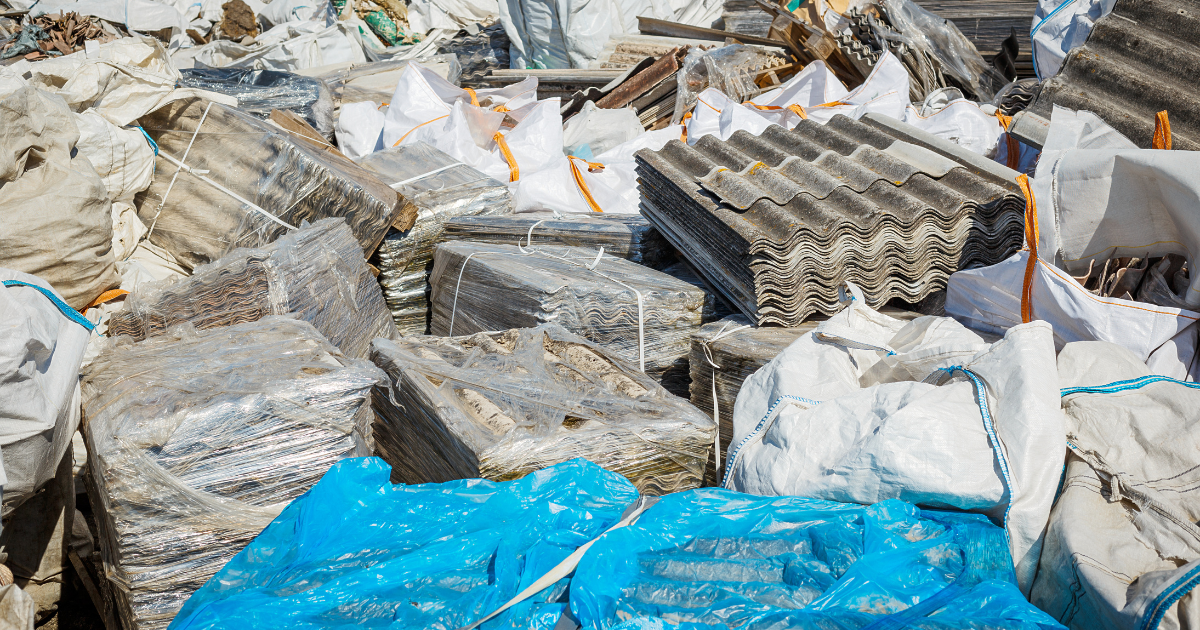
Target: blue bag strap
column 66, row 310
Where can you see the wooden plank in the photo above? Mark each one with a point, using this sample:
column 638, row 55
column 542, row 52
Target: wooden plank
column 653, row 26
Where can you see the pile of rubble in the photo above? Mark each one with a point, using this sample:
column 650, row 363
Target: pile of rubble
column 486, row 314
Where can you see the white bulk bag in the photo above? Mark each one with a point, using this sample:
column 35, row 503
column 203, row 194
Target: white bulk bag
column 1122, row 549
column 1059, row 26
column 867, row 408
column 42, row 341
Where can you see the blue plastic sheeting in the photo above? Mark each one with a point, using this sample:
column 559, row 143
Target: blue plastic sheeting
column 358, row 551
column 716, row 558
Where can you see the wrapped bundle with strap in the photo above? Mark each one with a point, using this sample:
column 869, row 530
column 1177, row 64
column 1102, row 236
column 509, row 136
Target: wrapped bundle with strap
column 628, row 236
column 443, row 189
column 316, row 272
column 228, row 179
column 501, row 405
column 198, row 439
column 634, row 313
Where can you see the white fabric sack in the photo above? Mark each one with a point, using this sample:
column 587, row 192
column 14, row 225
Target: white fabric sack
column 614, row 188
column 593, row 130
column 1060, row 26
column 423, row 101
column 960, row 121
column 288, row 47
column 1122, row 550
column 121, row 156
column 572, row 33
column 858, row 411
column 279, row 12
column 41, row 344
column 359, row 129
column 450, row 14
column 122, row 81
column 1100, row 197
column 884, row 92
column 989, row 299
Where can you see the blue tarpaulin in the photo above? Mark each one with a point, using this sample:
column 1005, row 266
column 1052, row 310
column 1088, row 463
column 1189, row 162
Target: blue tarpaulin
column 357, row 550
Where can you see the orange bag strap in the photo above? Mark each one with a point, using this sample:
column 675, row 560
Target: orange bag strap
column 582, row 185
column 107, row 296
column 514, row 173
column 474, row 98
column 418, row 127
column 683, row 123
column 1031, row 239
column 1014, row 146
column 500, row 108
column 799, row 111
column 1162, row 131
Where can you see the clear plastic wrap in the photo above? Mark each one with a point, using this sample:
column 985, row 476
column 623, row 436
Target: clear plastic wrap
column 718, row 559
column 260, row 91
column 442, row 189
column 637, row 314
column 628, row 236
column 244, row 183
column 502, row 405
column 316, row 272
column 428, row 557
column 197, row 440
column 376, row 81
column 940, row 38
column 731, row 69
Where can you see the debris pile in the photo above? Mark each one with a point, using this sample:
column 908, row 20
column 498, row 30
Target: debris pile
column 488, row 314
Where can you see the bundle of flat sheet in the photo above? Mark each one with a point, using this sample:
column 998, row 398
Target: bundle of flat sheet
column 226, row 179
column 501, row 405
column 637, row 314
column 442, row 189
column 628, row 236
column 198, row 438
column 780, row 221
column 316, row 272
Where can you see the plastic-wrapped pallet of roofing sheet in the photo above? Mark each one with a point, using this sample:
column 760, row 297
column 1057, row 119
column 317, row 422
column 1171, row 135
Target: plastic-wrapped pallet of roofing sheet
column 502, row 405
column 635, row 313
column 713, row 558
column 443, row 189
column 197, row 440
column 260, row 91
column 438, row 556
column 628, row 236
column 725, row 353
column 227, row 179
column 316, row 272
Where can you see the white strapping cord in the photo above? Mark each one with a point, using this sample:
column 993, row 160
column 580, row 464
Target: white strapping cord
column 564, row 568
column 724, row 332
column 591, row 268
column 399, row 185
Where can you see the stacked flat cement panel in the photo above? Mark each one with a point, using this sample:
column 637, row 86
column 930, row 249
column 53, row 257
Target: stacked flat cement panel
column 779, row 222
column 1141, row 59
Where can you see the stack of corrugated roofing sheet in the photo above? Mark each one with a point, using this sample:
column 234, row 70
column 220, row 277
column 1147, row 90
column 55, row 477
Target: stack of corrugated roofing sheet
column 442, row 188
column 779, row 222
column 1139, row 60
column 744, row 16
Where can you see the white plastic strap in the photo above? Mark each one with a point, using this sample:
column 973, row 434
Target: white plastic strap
column 399, row 185
column 529, row 239
column 564, row 568
column 724, row 332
